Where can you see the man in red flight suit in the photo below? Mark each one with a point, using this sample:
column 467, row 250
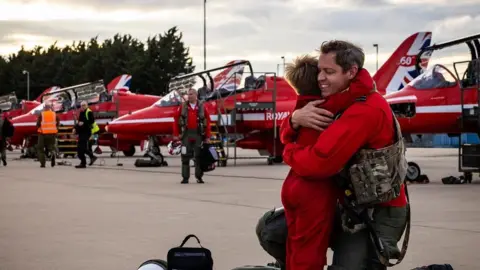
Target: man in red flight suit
column 192, row 125
column 367, row 123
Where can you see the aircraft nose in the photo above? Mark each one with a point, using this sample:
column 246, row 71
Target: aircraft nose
column 147, row 121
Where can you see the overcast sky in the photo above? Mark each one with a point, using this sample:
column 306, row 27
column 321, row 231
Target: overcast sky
column 257, row 30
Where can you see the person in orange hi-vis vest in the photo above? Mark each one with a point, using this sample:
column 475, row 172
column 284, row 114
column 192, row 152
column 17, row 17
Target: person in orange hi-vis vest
column 47, row 124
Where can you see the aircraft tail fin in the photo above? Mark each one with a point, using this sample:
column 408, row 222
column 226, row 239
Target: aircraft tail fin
column 230, row 78
column 399, row 69
column 120, row 83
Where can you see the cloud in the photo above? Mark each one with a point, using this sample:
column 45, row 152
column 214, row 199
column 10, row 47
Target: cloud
column 260, row 31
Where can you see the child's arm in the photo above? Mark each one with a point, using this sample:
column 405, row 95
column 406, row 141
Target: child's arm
column 287, row 133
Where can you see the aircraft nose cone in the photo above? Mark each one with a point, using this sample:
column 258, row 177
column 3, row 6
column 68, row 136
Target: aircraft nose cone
column 142, row 122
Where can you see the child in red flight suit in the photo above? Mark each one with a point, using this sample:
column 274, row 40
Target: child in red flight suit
column 296, row 191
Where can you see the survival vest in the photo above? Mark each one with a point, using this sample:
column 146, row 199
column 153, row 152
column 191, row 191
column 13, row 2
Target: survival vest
column 371, row 177
column 49, row 123
column 201, row 121
column 95, row 127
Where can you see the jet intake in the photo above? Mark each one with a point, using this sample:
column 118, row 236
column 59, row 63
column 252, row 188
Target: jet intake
column 404, row 110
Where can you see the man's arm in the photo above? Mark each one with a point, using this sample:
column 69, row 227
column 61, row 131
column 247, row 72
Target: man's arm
column 336, row 145
column 208, row 131
column 176, row 121
column 58, row 120
column 39, row 120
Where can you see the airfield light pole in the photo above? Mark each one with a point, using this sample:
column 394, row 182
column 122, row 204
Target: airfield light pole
column 205, row 35
column 376, row 46
column 28, row 83
column 283, row 58
column 278, row 69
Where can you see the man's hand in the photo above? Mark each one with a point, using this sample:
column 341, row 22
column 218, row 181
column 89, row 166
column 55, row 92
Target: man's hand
column 312, row 117
column 80, row 123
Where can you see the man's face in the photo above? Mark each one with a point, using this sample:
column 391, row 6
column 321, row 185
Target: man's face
column 331, row 78
column 192, row 96
column 84, row 107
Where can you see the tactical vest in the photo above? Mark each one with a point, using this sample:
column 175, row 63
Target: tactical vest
column 49, row 123
column 371, row 177
column 201, row 121
column 95, row 127
column 374, row 176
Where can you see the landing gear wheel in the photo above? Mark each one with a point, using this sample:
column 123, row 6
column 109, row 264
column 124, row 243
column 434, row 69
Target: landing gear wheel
column 130, row 152
column 413, row 172
column 468, row 177
column 222, row 163
column 270, row 161
column 278, row 159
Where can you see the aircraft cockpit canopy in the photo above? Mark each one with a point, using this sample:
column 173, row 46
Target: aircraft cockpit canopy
column 8, row 102
column 235, row 77
column 69, row 98
column 169, row 100
column 435, row 77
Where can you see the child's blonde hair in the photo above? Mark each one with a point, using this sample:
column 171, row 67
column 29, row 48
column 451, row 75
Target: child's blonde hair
column 302, row 75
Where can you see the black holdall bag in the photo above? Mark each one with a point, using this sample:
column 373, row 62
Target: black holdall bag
column 208, row 157
column 189, row 258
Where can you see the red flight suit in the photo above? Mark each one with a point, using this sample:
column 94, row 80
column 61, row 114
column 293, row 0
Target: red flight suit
column 192, row 119
column 309, row 194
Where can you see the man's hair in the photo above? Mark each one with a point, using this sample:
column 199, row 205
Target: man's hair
column 302, row 75
column 347, row 54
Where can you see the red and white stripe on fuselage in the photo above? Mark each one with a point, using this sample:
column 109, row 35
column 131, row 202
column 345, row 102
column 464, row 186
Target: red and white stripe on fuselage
column 226, row 118
column 65, row 123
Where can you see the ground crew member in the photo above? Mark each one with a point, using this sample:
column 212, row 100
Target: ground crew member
column 192, row 126
column 47, row 124
column 367, row 123
column 3, row 142
column 84, row 128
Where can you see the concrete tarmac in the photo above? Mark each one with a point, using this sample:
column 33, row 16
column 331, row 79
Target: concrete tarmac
column 116, row 217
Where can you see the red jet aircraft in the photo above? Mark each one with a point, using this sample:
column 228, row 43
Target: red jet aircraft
column 256, row 108
column 439, row 101
column 10, row 107
column 106, row 103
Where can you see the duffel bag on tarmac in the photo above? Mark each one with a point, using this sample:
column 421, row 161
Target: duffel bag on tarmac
column 208, row 157
column 147, row 163
column 189, row 258
column 435, row 267
column 256, row 267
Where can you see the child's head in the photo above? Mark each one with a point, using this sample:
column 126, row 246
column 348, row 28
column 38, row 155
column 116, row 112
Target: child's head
column 302, row 75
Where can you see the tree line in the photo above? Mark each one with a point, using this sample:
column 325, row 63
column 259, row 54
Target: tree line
column 151, row 64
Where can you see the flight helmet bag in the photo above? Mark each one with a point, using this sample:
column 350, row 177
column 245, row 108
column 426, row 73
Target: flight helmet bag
column 208, row 157
column 189, row 258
